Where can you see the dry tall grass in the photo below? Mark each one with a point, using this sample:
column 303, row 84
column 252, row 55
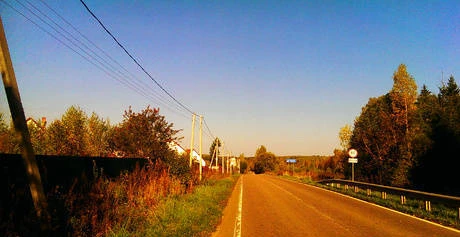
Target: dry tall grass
column 126, row 200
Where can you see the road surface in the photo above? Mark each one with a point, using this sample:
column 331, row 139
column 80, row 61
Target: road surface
column 263, row 205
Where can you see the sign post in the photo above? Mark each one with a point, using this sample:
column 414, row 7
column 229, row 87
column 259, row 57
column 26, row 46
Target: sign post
column 292, row 162
column 353, row 154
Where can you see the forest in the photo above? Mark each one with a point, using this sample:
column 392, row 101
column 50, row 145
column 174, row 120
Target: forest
column 407, row 138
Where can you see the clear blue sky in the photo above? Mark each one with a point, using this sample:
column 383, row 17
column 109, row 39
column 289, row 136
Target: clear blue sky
column 284, row 74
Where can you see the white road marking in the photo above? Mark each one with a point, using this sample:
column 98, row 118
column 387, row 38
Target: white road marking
column 382, row 207
column 237, row 229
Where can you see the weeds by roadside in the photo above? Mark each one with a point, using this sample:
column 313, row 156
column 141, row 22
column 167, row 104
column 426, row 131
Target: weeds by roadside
column 126, row 200
column 194, row 214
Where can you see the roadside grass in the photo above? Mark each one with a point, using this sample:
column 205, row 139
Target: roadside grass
column 439, row 213
column 194, row 214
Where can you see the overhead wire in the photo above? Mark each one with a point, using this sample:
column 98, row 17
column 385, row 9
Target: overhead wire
column 139, row 84
column 88, row 54
column 209, row 130
column 138, row 64
column 130, row 74
column 135, row 61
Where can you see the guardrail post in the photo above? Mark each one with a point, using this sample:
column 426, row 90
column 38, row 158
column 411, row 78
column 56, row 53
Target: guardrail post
column 428, row 206
column 415, row 196
column 403, row 199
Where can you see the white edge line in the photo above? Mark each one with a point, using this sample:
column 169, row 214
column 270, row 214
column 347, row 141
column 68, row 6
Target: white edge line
column 237, row 228
column 386, row 208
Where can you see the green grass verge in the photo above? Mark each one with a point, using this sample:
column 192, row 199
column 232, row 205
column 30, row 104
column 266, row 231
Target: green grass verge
column 439, row 213
column 195, row 214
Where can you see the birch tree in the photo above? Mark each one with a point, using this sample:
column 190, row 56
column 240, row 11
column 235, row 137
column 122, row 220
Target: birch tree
column 403, row 96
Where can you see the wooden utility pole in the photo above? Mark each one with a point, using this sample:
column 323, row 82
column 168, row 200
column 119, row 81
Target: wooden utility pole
column 217, row 154
column 191, row 139
column 223, row 158
column 201, row 146
column 21, row 130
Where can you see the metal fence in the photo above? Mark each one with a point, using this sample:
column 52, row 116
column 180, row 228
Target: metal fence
column 428, row 198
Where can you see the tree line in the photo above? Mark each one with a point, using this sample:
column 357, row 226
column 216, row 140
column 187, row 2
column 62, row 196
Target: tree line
column 264, row 161
column 405, row 138
column 144, row 134
column 408, row 139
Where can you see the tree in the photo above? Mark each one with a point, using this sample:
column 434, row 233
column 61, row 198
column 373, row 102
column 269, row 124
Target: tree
column 374, row 137
column 144, row 134
column 444, row 142
column 37, row 131
column 243, row 164
column 427, row 112
column 403, row 96
column 212, row 148
column 67, row 136
column 57, row 139
column 449, row 100
column 260, row 151
column 98, row 131
column 264, row 161
column 345, row 134
column 8, row 143
column 4, row 135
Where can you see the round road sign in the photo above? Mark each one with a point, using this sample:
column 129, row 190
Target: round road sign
column 353, row 153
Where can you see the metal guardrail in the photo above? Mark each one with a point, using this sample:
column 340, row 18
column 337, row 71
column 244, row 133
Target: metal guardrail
column 452, row 201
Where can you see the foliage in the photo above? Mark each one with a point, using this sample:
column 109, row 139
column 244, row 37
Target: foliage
column 264, row 161
column 144, row 134
column 243, row 164
column 178, row 166
column 403, row 104
column 384, row 133
column 404, row 138
column 441, row 139
column 334, row 166
column 37, row 132
column 8, row 141
column 374, row 138
column 67, row 136
column 345, row 136
column 122, row 203
column 98, row 132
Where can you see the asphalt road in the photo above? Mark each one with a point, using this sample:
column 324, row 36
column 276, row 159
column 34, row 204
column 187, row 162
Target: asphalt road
column 263, row 205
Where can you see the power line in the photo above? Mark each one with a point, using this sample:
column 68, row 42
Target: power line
column 113, row 68
column 207, row 127
column 135, row 61
column 130, row 75
column 88, row 54
column 70, row 41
